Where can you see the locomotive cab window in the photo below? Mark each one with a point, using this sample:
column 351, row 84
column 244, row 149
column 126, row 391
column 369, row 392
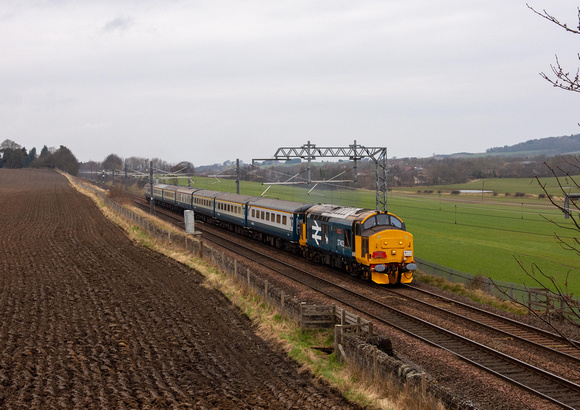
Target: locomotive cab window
column 383, row 220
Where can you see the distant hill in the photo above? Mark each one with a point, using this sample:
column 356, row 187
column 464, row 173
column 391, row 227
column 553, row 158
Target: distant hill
column 544, row 146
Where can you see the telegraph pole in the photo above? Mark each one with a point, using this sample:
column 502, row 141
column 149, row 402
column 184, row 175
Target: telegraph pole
column 237, row 176
column 151, row 202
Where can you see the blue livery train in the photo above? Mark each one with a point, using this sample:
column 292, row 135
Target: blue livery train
column 371, row 244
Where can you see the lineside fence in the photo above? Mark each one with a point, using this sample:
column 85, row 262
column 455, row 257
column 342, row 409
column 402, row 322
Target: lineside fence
column 534, row 298
column 354, row 339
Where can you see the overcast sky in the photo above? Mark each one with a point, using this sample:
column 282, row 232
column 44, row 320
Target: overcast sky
column 210, row 81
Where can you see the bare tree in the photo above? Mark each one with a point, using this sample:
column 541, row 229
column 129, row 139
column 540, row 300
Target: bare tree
column 546, row 281
column 560, row 77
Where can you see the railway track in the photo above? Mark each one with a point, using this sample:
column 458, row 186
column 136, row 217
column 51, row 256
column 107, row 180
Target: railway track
column 551, row 387
column 551, row 343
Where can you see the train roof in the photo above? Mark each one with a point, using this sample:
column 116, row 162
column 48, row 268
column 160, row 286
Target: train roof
column 231, row 197
column 207, row 193
column 340, row 212
column 185, row 190
column 270, row 203
column 165, row 186
column 177, row 188
column 279, row 204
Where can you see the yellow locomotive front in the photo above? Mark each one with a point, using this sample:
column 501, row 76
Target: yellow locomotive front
column 384, row 248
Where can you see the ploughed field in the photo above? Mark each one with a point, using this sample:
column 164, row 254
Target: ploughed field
column 91, row 320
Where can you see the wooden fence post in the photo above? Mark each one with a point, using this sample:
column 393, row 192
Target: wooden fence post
column 375, row 371
column 282, row 299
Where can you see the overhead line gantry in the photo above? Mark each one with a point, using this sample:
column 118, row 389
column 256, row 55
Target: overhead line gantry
column 353, row 152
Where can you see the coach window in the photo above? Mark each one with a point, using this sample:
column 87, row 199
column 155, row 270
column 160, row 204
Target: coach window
column 278, row 218
column 262, row 215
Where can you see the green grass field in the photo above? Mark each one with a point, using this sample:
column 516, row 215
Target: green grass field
column 480, row 235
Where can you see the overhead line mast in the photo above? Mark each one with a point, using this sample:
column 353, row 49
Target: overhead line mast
column 353, row 152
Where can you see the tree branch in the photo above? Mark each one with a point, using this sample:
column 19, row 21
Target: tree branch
column 554, row 20
column 563, row 79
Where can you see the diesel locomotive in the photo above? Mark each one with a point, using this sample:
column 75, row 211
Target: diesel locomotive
column 371, row 244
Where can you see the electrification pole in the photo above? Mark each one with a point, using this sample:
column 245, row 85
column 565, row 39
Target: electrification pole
column 151, row 205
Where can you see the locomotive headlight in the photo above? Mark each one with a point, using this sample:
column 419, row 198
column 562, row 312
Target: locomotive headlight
column 400, row 242
column 393, row 252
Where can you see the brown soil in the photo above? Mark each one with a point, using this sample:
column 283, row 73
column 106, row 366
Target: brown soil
column 91, row 320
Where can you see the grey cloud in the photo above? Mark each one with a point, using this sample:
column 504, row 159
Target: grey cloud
column 118, row 24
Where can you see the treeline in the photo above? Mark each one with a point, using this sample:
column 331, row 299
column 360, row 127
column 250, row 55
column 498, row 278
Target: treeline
column 135, row 164
column 14, row 155
column 431, row 171
column 407, row 171
column 549, row 146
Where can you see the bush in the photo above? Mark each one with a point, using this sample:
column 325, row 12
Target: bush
column 479, row 282
column 455, row 192
column 520, row 194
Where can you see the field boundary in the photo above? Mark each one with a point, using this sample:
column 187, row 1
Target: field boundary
column 546, row 302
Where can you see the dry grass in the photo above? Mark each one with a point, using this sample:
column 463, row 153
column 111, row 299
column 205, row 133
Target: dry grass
column 473, row 292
